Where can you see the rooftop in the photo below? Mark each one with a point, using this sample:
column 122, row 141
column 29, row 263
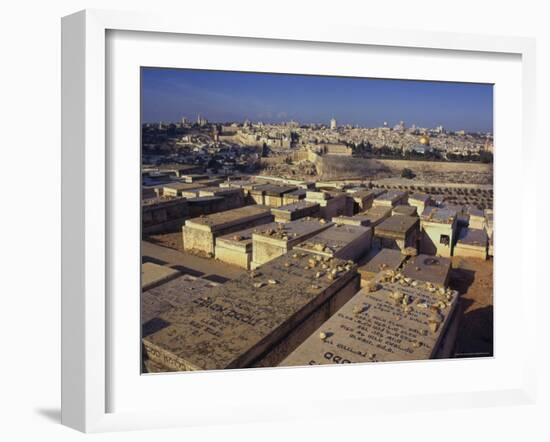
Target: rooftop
column 229, row 216
column 400, row 224
column 293, row 229
column 472, row 237
column 334, row 238
column 429, row 268
column 439, row 215
column 385, row 259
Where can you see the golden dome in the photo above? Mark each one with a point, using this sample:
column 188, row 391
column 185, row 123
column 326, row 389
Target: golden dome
column 424, row 140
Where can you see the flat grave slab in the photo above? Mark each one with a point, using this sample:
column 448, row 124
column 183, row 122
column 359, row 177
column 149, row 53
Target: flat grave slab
column 270, row 243
column 293, row 211
column 398, row 231
column 427, row 268
column 390, row 198
column 384, row 260
column 171, row 294
column 377, row 214
column 294, row 196
column 355, row 220
column 177, row 188
column 471, row 243
column 394, row 323
column 404, row 210
column 339, row 241
column 255, row 320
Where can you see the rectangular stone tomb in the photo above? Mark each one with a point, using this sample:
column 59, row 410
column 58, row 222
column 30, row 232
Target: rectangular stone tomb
column 159, row 215
column 270, row 243
column 177, row 189
column 270, row 194
column 294, row 196
column 377, row 214
column 234, row 197
column 420, row 201
column 398, row 232
column 255, row 320
column 153, row 274
column 355, row 220
column 404, row 210
column 391, row 198
column 205, row 205
column 340, row 241
column 428, row 268
column 476, row 218
column 236, row 248
column 199, row 234
column 171, row 294
column 291, row 212
column 332, row 203
column 438, row 231
column 363, row 200
column 384, row 260
column 393, row 323
column 471, row 243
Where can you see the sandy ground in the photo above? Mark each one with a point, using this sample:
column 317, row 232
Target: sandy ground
column 166, row 250
column 473, row 278
column 171, row 240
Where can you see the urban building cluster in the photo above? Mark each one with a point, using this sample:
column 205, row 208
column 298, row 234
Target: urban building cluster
column 240, row 146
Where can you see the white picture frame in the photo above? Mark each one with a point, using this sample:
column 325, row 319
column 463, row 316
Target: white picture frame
column 87, row 212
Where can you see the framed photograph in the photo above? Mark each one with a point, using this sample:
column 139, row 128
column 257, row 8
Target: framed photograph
column 260, row 221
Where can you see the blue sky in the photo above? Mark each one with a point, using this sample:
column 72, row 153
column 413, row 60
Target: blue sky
column 169, row 94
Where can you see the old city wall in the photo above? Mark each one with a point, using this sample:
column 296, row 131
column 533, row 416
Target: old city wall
column 332, row 166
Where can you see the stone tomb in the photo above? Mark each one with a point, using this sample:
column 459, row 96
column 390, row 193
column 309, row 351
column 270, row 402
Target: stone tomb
column 391, row 198
column 205, row 205
column 362, row 199
column 270, row 194
column 153, row 274
column 438, row 230
column 178, row 188
column 236, row 248
column 255, row 320
column 397, row 232
column 291, row 212
column 270, row 243
column 384, row 260
column 404, row 210
column 471, row 243
column 234, row 197
column 355, row 220
column 394, row 323
column 159, row 215
column 339, row 241
column 420, row 201
column 476, row 218
column 377, row 214
column 199, row 234
column 427, row 268
column 294, row 196
column 332, row 203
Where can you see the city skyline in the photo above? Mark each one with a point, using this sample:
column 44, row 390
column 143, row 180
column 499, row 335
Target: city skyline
column 224, row 96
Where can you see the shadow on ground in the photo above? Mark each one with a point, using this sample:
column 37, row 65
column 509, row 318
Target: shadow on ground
column 475, row 336
column 51, row 414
